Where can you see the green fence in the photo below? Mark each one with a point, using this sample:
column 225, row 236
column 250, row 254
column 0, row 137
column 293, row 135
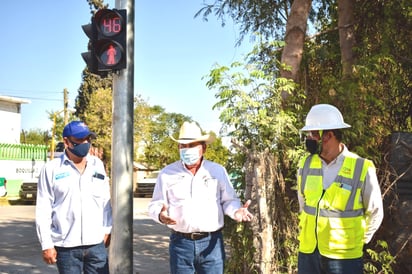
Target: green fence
column 23, row 152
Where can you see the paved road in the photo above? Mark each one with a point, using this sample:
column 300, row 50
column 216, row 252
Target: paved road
column 20, row 252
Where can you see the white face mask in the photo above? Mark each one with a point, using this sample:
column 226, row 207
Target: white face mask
column 190, row 155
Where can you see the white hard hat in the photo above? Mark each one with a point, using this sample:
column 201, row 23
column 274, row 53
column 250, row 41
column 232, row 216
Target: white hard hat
column 324, row 116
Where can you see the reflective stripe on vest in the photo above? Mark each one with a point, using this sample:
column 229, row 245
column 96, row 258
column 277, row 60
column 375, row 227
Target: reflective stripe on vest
column 333, row 213
column 308, row 171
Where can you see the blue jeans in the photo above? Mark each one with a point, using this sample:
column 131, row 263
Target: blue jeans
column 315, row 263
column 82, row 259
column 203, row 256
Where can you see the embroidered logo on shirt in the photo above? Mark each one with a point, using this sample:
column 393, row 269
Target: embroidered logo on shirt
column 346, row 171
column 61, row 175
column 206, row 180
column 98, row 176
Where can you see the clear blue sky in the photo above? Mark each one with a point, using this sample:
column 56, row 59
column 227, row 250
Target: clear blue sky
column 42, row 42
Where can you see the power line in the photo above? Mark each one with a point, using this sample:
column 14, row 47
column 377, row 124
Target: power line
column 33, row 98
column 30, row 91
column 44, row 94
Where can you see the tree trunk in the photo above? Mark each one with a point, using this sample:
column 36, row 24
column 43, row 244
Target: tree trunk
column 259, row 172
column 346, row 35
column 274, row 218
column 294, row 40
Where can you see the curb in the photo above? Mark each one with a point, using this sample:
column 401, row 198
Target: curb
column 4, row 201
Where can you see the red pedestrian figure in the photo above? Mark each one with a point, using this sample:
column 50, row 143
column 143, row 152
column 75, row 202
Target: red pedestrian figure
column 111, row 53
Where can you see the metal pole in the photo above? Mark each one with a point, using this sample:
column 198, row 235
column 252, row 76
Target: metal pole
column 65, row 108
column 121, row 246
column 53, row 146
column 53, row 142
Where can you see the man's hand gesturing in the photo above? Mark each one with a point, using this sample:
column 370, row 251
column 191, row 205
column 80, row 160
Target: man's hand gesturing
column 164, row 217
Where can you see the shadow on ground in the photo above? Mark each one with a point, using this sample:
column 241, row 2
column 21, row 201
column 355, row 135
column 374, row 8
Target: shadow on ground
column 20, row 251
column 150, row 247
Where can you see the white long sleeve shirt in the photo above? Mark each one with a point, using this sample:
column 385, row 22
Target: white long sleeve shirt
column 197, row 202
column 370, row 193
column 72, row 209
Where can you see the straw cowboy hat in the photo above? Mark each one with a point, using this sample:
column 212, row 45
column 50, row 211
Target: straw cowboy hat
column 190, row 133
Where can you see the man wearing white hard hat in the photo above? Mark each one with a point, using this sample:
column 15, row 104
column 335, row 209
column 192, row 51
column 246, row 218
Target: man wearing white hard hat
column 191, row 197
column 339, row 197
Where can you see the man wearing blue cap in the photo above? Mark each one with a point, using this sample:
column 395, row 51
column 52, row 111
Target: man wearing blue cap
column 73, row 210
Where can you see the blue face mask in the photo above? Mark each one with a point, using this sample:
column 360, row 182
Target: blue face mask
column 190, row 155
column 80, row 150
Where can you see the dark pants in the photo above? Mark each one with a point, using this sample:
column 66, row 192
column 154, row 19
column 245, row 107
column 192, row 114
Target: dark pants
column 90, row 259
column 315, row 263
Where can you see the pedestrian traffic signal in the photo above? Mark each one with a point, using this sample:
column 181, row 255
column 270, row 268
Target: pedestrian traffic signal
column 107, row 41
column 110, row 46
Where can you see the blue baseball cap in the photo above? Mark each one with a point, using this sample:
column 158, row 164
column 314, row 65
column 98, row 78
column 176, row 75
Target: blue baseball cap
column 77, row 129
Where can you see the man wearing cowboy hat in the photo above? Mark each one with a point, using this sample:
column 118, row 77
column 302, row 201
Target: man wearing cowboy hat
column 191, row 197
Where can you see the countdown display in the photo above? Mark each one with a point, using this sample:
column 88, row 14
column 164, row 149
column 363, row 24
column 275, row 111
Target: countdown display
column 110, row 24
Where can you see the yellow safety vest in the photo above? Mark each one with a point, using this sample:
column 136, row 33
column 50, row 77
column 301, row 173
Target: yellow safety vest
column 332, row 219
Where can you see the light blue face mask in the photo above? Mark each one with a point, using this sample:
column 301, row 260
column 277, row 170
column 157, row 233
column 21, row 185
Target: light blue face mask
column 190, row 155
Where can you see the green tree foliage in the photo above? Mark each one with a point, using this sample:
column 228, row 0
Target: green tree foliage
column 155, row 126
column 160, row 149
column 264, row 136
column 142, row 121
column 382, row 260
column 98, row 116
column 35, row 137
column 376, row 100
column 57, row 120
column 249, row 103
column 96, row 4
column 265, row 17
column 384, row 69
column 217, row 152
column 90, row 83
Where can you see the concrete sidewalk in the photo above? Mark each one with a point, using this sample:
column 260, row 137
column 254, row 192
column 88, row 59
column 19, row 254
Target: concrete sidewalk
column 150, row 242
column 20, row 251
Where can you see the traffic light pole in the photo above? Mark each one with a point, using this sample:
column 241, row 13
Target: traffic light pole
column 121, row 246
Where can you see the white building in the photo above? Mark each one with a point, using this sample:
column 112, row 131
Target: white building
column 10, row 117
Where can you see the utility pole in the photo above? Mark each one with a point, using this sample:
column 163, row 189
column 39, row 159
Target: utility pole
column 65, row 110
column 53, row 142
column 121, row 246
column 66, row 105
